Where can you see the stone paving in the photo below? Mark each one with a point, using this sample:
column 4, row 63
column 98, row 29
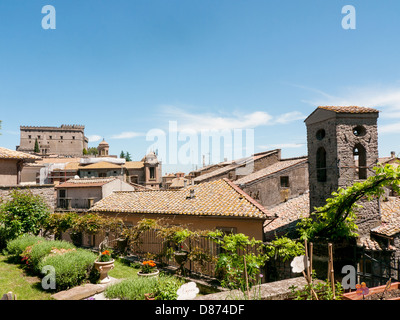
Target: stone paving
column 85, row 291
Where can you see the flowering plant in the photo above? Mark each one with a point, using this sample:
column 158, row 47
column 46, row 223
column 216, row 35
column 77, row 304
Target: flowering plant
column 148, row 266
column 362, row 289
column 105, row 256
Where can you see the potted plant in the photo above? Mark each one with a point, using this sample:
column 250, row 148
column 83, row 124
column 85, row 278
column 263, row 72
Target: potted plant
column 178, row 238
column 104, row 263
column 389, row 291
column 148, row 269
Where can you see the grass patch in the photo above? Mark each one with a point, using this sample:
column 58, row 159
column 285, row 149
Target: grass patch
column 123, row 269
column 13, row 278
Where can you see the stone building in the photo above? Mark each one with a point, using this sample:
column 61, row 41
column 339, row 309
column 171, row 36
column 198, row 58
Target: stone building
column 236, row 169
column 342, row 149
column 65, row 141
column 11, row 164
column 81, row 194
column 278, row 182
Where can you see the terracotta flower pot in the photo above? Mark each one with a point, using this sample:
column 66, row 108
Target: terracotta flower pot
column 104, row 268
column 380, row 289
column 149, row 275
column 147, row 296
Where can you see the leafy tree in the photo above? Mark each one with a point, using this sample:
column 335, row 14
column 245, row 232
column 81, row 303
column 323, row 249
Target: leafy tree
column 93, row 151
column 36, row 148
column 336, row 219
column 128, row 157
column 23, row 213
column 122, row 155
column 84, row 152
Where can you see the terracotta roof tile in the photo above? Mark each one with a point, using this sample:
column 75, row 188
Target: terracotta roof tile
column 390, row 215
column 101, row 165
column 349, row 109
column 11, row 154
column 83, row 183
column 274, row 168
column 216, row 198
column 287, row 215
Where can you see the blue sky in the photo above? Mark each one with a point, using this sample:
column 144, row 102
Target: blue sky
column 123, row 68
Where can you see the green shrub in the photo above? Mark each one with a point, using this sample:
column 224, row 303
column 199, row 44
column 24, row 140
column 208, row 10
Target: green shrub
column 167, row 287
column 34, row 254
column 23, row 213
column 131, row 289
column 16, row 246
column 71, row 268
column 163, row 287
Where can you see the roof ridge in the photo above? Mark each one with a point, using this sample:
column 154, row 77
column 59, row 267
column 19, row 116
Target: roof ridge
column 248, row 198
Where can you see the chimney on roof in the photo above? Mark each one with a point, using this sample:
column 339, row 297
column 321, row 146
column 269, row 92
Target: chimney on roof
column 392, row 154
column 191, row 196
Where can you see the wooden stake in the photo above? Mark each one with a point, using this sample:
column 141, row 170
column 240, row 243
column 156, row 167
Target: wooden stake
column 332, row 274
column 311, row 254
column 307, row 268
column 247, row 280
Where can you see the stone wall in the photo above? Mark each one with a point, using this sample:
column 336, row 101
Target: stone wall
column 46, row 191
column 339, row 140
column 268, row 191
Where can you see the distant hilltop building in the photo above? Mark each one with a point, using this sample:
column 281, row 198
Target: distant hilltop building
column 64, row 141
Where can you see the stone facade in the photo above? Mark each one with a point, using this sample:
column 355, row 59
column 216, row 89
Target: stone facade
column 67, row 140
column 46, row 191
column 277, row 183
column 342, row 149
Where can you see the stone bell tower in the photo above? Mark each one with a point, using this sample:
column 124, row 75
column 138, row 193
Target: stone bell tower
column 342, row 149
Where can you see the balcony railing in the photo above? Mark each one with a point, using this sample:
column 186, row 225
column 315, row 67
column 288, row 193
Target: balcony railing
column 72, row 203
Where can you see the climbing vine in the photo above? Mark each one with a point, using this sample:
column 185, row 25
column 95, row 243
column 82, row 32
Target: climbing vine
column 337, row 218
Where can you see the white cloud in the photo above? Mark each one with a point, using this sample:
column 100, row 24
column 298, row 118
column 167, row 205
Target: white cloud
column 289, row 117
column 390, row 128
column 385, row 99
column 126, row 135
column 283, row 146
column 94, row 138
column 210, row 121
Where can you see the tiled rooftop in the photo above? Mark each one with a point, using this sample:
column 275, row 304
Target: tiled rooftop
column 349, row 109
column 11, row 154
column 216, row 198
column 276, row 167
column 85, row 182
column 101, row 165
column 287, row 215
column 390, row 213
column 233, row 165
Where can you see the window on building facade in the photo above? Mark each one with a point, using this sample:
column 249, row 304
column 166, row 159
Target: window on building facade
column 321, row 164
column 360, row 161
column 284, row 182
column 152, row 173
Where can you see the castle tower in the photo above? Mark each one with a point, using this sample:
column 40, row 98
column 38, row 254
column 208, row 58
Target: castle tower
column 342, row 149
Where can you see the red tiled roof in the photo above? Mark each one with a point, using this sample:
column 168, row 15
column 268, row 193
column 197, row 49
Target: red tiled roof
column 85, row 183
column 349, row 109
column 217, row 198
